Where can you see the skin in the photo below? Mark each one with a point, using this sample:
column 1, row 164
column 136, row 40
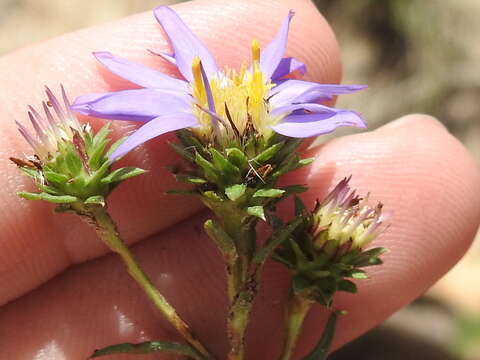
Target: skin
column 63, row 295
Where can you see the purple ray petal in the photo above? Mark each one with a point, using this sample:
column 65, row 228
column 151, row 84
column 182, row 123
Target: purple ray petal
column 303, row 126
column 154, row 128
column 184, row 43
column 168, row 57
column 139, row 74
column 136, row 105
column 299, row 91
column 273, row 53
column 316, row 108
column 287, row 66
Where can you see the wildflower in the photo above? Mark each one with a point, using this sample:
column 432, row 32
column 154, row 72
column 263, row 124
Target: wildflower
column 70, row 162
column 219, row 106
column 330, row 246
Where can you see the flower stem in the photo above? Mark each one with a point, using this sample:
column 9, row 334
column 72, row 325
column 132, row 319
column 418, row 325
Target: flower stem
column 106, row 229
column 297, row 309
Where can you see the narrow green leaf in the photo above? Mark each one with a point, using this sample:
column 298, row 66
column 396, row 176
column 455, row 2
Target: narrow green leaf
column 234, row 192
column 256, row 211
column 267, row 154
column 190, row 179
column 269, row 193
column 147, row 348
column 99, row 200
column 73, row 163
column 34, row 173
column 63, row 199
column 224, row 242
column 359, row 274
column 277, row 238
column 347, row 286
column 321, row 350
column 122, row 174
column 300, row 207
column 182, row 192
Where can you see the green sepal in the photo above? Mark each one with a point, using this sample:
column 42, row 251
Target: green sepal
column 190, row 179
column 234, row 192
column 182, row 151
column 237, row 157
column 269, row 193
column 305, row 162
column 208, row 168
column 267, row 154
column 347, row 286
column 98, row 200
column 33, row 173
column 73, row 163
column 55, row 177
column 369, row 257
column 57, row 199
column 122, row 174
column 114, row 147
column 226, row 168
column 224, row 242
column 257, row 211
column 181, row 192
column 147, row 348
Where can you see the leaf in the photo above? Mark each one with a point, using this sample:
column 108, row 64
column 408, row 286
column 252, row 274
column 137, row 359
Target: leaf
column 57, row 199
column 234, row 192
column 74, row 163
column 147, row 348
column 347, row 286
column 115, row 146
column 267, row 154
column 300, row 207
column 359, row 274
column 369, row 257
column 256, row 211
column 321, row 350
column 122, row 174
column 224, row 242
column 269, row 193
column 99, row 200
column 305, row 162
column 277, row 238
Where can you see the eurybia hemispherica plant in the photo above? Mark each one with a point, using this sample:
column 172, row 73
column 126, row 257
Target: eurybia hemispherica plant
column 239, row 130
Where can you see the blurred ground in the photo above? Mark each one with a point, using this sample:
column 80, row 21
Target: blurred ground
column 416, row 56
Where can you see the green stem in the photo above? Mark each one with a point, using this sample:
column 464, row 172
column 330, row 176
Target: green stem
column 297, row 309
column 107, row 231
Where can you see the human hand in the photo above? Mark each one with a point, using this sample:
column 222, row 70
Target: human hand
column 413, row 165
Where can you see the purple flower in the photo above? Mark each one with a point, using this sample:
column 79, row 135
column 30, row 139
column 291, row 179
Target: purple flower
column 217, row 105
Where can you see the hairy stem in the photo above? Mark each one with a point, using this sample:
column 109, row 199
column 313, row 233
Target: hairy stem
column 107, row 231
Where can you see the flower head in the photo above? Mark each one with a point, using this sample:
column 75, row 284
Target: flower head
column 329, row 248
column 52, row 131
column 346, row 219
column 70, row 163
column 219, row 106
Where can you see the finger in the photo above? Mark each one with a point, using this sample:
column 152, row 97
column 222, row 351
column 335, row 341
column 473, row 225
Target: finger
column 36, row 244
column 415, row 167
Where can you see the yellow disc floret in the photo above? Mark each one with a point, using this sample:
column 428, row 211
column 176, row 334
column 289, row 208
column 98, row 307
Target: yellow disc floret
column 240, row 100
